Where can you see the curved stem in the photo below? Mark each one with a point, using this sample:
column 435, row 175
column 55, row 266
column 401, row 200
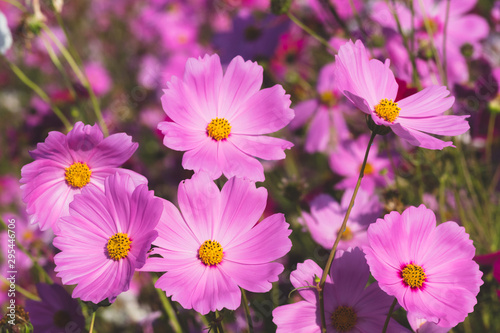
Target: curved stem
column 169, row 310
column 388, row 319
column 339, row 235
column 247, row 311
column 27, row 81
column 310, row 31
column 21, row 290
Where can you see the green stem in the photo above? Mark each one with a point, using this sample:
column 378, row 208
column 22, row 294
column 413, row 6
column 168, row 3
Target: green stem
column 388, row 319
column 27, row 81
column 247, row 311
column 339, row 235
column 445, row 36
column 169, row 310
column 310, row 31
column 81, row 77
column 17, row 4
column 92, row 323
column 489, row 140
column 21, row 290
column 218, row 320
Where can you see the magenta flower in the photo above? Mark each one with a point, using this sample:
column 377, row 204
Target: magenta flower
column 371, row 86
column 347, row 160
column 428, row 269
column 349, row 306
column 106, row 238
column 327, row 125
column 218, row 118
column 65, row 164
column 217, row 244
column 327, row 216
column 57, row 312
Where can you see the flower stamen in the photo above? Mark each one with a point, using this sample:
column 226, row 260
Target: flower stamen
column 210, row 253
column 78, row 174
column 413, row 276
column 119, row 246
column 344, row 319
column 218, row 129
column 387, row 110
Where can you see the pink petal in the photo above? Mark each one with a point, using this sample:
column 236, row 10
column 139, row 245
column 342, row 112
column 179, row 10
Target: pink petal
column 264, row 147
column 266, row 111
column 255, row 278
column 431, row 101
column 113, row 151
column 181, row 138
column 318, row 134
column 303, row 112
column 54, row 148
column 468, row 29
column 205, row 158
column 242, row 80
column 442, row 125
column 304, row 276
column 300, row 317
column 237, row 163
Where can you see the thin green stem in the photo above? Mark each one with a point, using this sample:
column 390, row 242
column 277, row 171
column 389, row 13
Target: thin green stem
column 92, row 323
column 27, row 81
column 169, row 310
column 339, row 235
column 21, row 290
column 218, row 320
column 489, row 140
column 388, row 319
column 247, row 311
column 445, row 36
column 17, row 4
column 80, row 75
column 310, row 31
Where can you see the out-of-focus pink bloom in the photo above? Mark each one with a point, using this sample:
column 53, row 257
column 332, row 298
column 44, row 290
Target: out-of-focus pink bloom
column 491, row 259
column 56, row 312
column 327, row 126
column 371, row 86
column 327, row 215
column 10, row 194
column 349, row 306
column 65, row 164
column 218, row 244
column 420, row 325
column 219, row 119
column 428, row 269
column 347, row 160
column 106, row 237
column 98, row 77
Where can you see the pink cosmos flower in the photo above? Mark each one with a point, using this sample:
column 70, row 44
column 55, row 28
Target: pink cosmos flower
column 328, row 125
column 349, row 306
column 428, row 269
column 217, row 244
column 347, row 160
column 65, row 164
column 218, row 118
column 106, row 237
column 327, row 216
column 371, row 86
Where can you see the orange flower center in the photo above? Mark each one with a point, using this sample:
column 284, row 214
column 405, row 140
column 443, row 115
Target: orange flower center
column 78, row 174
column 210, row 253
column 413, row 276
column 387, row 110
column 218, row 129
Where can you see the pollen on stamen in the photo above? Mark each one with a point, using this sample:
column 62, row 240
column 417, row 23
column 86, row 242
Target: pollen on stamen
column 119, row 246
column 413, row 276
column 78, row 174
column 219, row 129
column 344, row 318
column 387, row 110
column 211, row 253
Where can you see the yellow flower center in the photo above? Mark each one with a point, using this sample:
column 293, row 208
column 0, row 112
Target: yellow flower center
column 432, row 25
column 344, row 319
column 78, row 174
column 347, row 234
column 210, row 253
column 119, row 246
column 368, row 169
column 327, row 98
column 387, row 110
column 413, row 276
column 218, row 129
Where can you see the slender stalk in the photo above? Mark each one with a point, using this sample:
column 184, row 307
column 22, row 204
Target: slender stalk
column 336, row 15
column 81, row 77
column 218, row 320
column 92, row 323
column 169, row 310
column 388, row 319
column 489, row 140
column 445, row 36
column 21, row 290
column 339, row 235
column 357, row 18
column 310, row 31
column 17, row 4
column 27, row 81
column 247, row 311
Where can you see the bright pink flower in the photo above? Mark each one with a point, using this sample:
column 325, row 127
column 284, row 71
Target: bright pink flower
column 349, row 306
column 347, row 160
column 327, row 216
column 65, row 164
column 106, row 238
column 371, row 86
column 218, row 118
column 428, row 269
column 327, row 126
column 217, row 244
column 98, row 77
